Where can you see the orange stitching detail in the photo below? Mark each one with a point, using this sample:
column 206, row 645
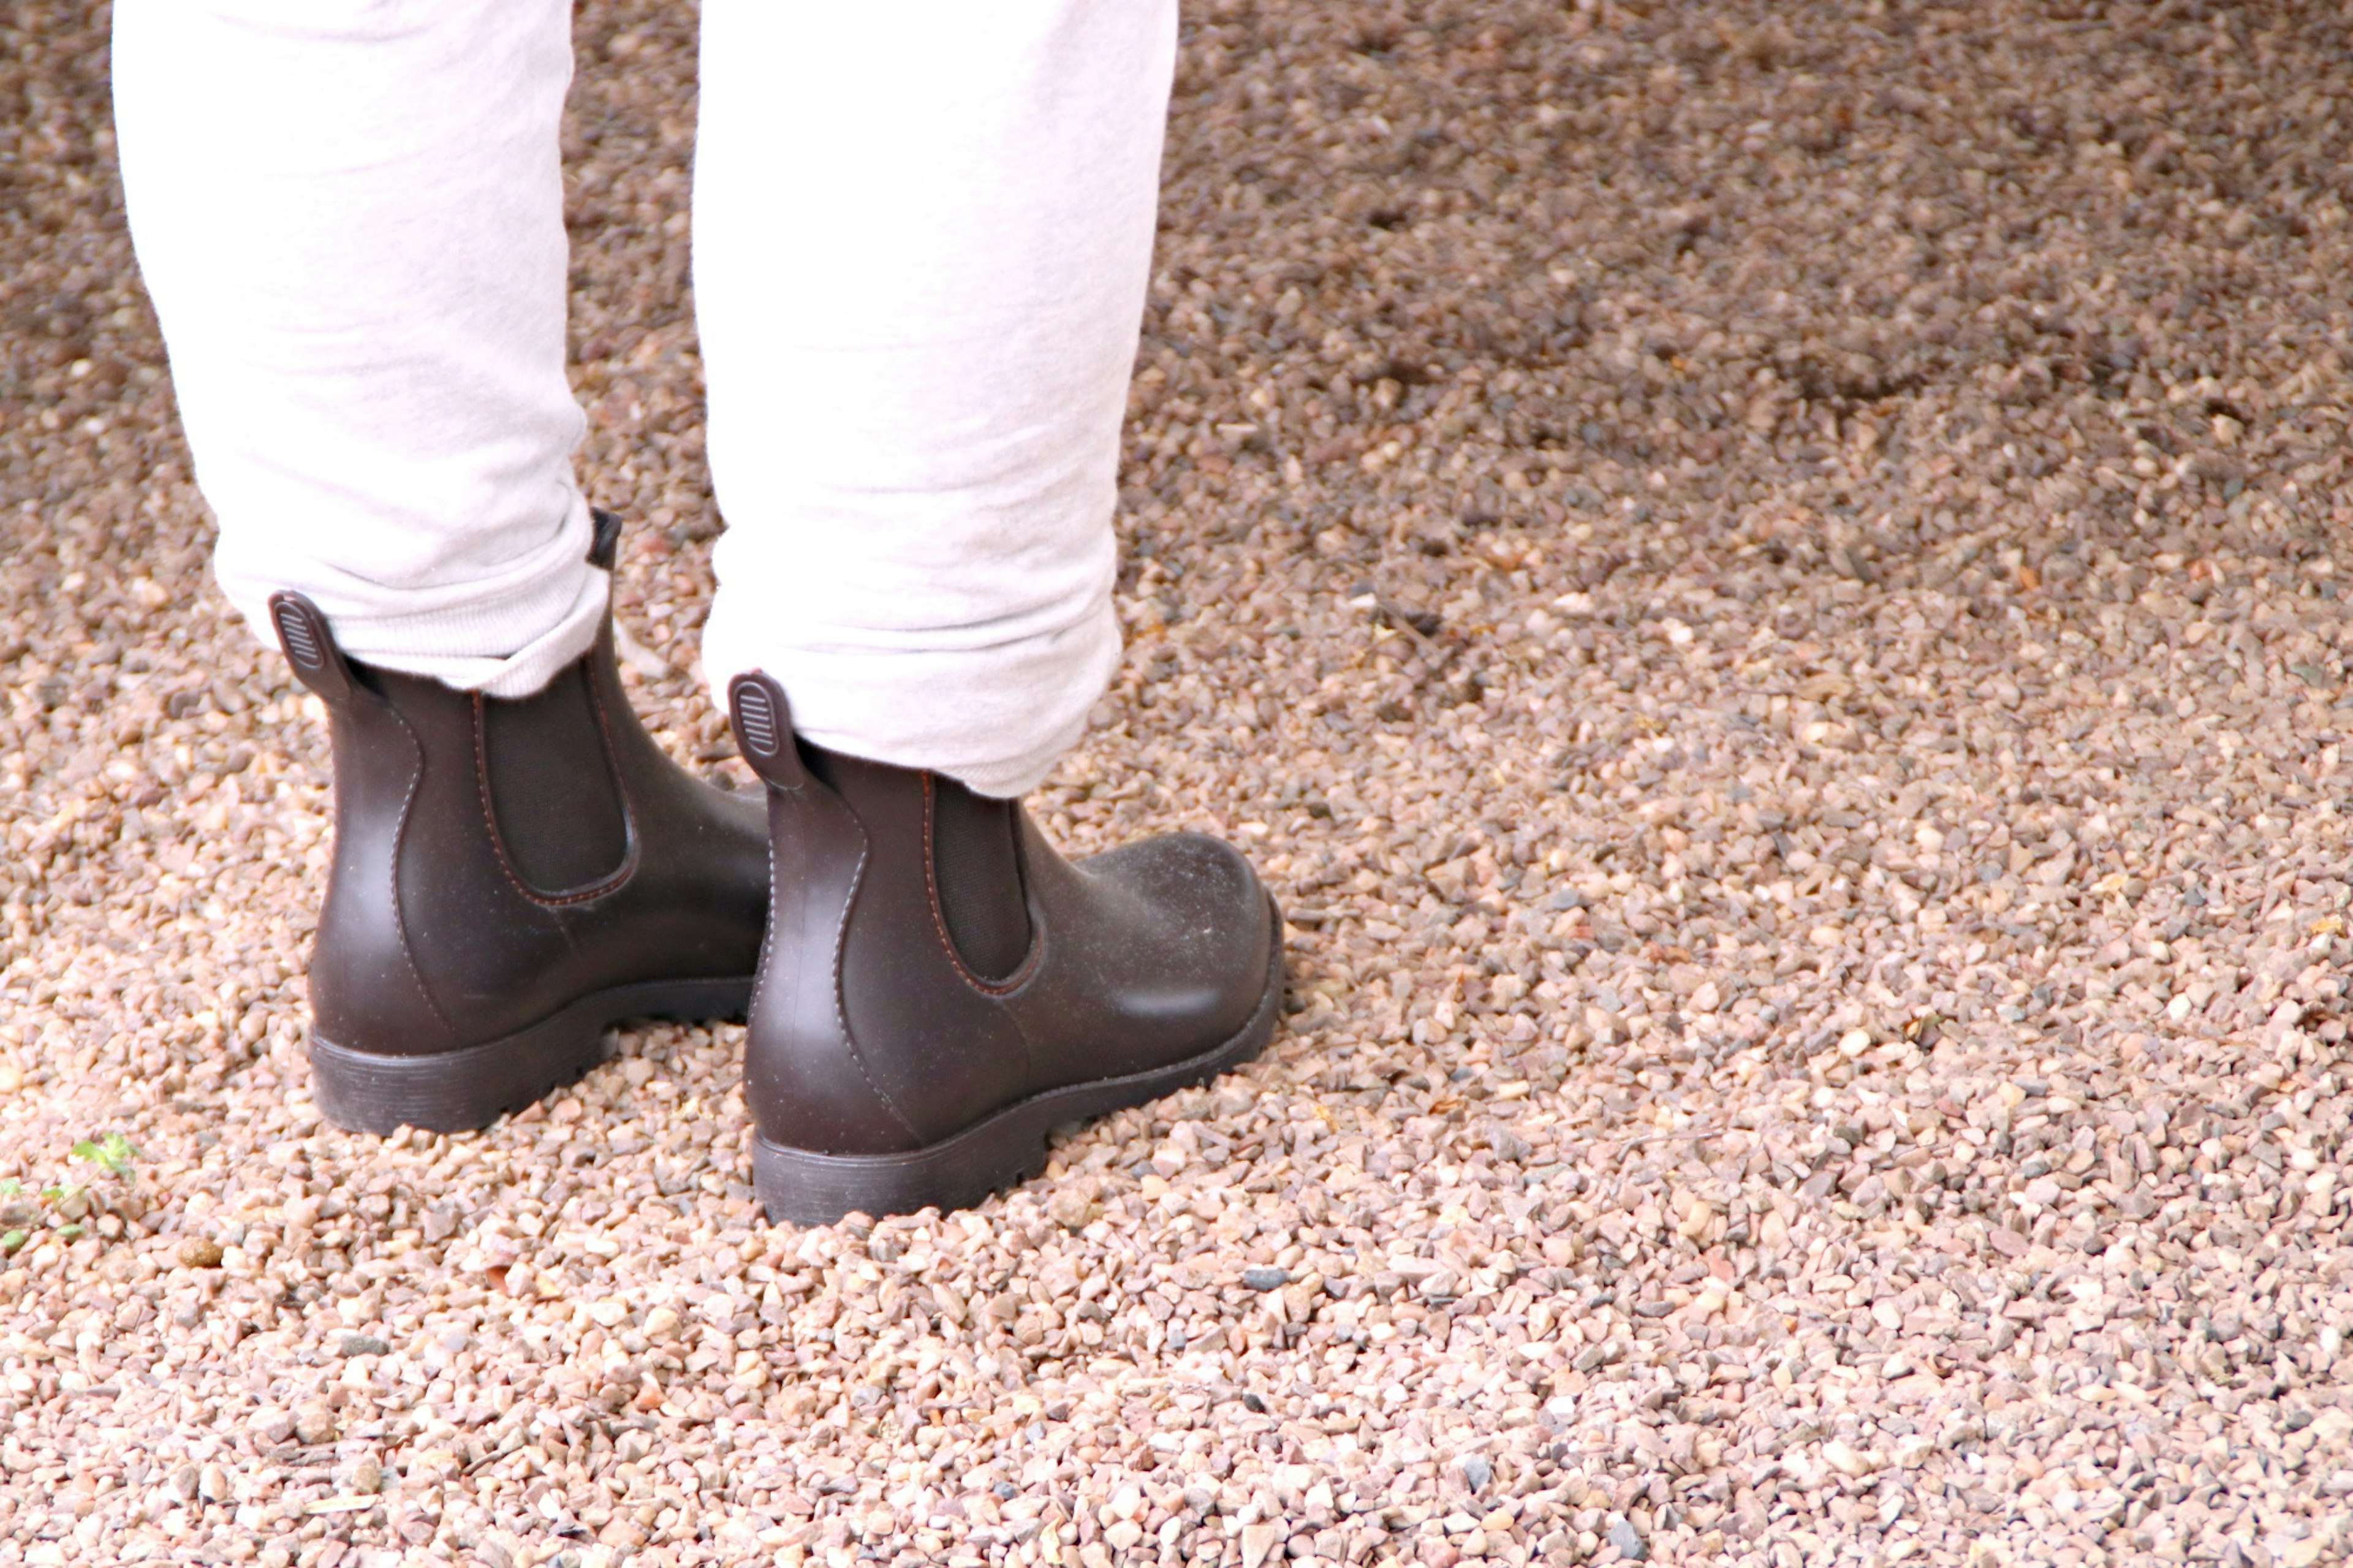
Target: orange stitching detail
column 399, row 844
column 840, row 997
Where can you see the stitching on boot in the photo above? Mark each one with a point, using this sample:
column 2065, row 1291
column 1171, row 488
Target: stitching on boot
column 612, row 883
column 767, row 934
column 1022, row 971
column 840, row 997
column 1038, row 940
column 399, row 846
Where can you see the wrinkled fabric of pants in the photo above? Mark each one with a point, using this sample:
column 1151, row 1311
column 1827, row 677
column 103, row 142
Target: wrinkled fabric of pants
column 922, row 237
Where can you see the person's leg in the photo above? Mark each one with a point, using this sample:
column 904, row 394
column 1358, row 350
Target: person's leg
column 922, row 234
column 350, row 216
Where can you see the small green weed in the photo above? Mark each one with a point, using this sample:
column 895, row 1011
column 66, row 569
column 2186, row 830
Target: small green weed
column 62, row 1207
column 110, row 1153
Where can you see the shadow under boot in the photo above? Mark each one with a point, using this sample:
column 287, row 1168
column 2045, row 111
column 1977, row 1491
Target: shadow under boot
column 512, row 878
column 940, row 988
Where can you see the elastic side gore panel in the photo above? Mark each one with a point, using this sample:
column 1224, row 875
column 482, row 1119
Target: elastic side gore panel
column 552, row 785
column 979, row 874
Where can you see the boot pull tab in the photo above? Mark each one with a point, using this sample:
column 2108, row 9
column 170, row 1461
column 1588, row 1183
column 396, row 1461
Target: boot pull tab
column 310, row 647
column 763, row 729
column 604, row 541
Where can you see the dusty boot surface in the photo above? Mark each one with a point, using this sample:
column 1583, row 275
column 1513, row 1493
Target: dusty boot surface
column 511, row 878
column 940, row 988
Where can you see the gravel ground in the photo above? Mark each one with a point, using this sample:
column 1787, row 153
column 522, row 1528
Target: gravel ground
column 1765, row 583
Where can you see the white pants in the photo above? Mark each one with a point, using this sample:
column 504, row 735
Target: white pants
column 923, row 232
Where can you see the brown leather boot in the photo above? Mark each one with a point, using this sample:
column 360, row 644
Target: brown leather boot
column 939, row 988
column 510, row 877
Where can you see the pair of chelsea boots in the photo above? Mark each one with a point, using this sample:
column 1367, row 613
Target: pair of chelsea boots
column 930, row 987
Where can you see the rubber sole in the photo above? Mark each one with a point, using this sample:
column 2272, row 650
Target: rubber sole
column 1003, row 1149
column 457, row 1091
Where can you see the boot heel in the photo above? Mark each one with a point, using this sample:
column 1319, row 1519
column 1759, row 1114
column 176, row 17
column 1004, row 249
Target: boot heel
column 457, row 1091
column 451, row 1092
column 798, row 1186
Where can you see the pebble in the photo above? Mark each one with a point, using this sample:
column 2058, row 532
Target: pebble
column 1259, row 1542
column 1766, row 585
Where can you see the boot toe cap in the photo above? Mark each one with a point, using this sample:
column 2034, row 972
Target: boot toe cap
column 1185, row 935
